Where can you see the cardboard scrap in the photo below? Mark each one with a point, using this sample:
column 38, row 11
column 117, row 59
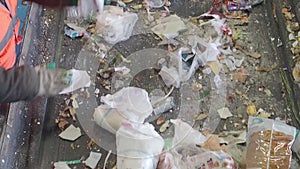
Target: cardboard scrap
column 93, row 159
column 169, row 27
column 60, row 165
column 71, row 133
column 224, row 113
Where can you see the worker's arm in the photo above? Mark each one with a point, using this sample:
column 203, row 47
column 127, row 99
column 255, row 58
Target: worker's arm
column 25, row 83
column 56, row 3
column 21, row 83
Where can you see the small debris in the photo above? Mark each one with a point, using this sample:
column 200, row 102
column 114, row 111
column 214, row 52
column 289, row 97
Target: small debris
column 120, row 56
column 64, row 114
column 160, row 121
column 241, row 94
column 212, row 143
column 201, row 116
column 64, row 164
column 106, row 158
column 233, row 137
column 62, row 123
column 73, row 33
column 268, row 92
column 72, row 145
column 224, row 113
column 58, row 165
column 262, row 113
column 71, row 133
column 165, row 126
column 93, row 160
column 90, row 144
column 74, row 102
column 97, row 91
column 72, row 112
column 241, row 75
column 251, row 54
column 251, row 109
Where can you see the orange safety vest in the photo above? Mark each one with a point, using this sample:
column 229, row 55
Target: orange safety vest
column 9, row 27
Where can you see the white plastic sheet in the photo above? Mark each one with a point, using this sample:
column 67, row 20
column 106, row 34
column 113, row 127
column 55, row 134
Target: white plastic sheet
column 128, row 104
column 114, row 25
column 79, row 80
column 138, row 146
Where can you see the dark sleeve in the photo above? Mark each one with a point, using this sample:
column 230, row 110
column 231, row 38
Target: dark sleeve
column 18, row 84
column 56, row 3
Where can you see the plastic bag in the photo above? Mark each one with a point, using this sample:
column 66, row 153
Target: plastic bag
column 166, row 161
column 114, row 25
column 296, row 145
column 155, row 3
column 79, row 80
column 85, row 9
column 269, row 143
column 187, row 155
column 138, row 146
column 128, row 104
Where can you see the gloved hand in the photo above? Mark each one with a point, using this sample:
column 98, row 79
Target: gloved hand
column 52, row 81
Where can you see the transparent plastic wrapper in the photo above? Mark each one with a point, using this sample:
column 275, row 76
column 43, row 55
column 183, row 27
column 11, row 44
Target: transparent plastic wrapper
column 205, row 52
column 114, row 25
column 269, row 143
column 175, row 73
column 296, row 145
column 79, row 79
column 170, row 76
column 155, row 3
column 85, row 9
column 138, row 146
column 128, row 104
column 163, row 105
column 188, row 155
column 166, row 161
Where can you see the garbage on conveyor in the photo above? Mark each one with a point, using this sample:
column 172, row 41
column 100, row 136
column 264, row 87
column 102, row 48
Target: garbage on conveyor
column 169, row 27
column 65, row 164
column 71, row 133
column 85, row 9
column 187, row 151
column 93, row 160
column 269, row 143
column 74, row 31
column 241, row 5
column 155, row 3
column 128, row 104
column 79, row 79
column 114, row 25
column 138, row 146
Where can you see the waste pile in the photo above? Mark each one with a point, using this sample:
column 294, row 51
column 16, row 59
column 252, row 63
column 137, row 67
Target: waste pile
column 223, row 117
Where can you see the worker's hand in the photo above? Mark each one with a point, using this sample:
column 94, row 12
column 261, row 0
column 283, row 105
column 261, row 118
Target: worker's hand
column 52, row 81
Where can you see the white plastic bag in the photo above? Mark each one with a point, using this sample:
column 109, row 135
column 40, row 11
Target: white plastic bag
column 85, row 9
column 138, row 146
column 79, row 80
column 114, row 25
column 187, row 155
column 128, row 104
column 166, row 161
